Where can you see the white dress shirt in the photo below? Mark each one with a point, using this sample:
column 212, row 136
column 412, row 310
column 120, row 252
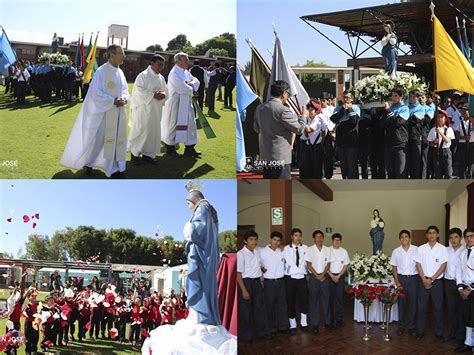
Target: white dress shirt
column 454, row 114
column 295, row 272
column 465, row 128
column 341, row 259
column 453, row 262
column 465, row 271
column 248, row 263
column 405, row 260
column 273, row 261
column 327, row 113
column 319, row 258
column 432, row 136
column 431, row 258
column 24, row 77
column 319, row 126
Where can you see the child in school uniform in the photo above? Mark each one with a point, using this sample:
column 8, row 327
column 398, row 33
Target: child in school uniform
column 296, row 286
column 136, row 321
column 166, row 311
column 120, row 317
column 250, row 289
column 49, row 329
column 107, row 320
column 31, row 327
column 273, row 267
column 336, row 272
column 312, row 159
column 84, row 313
column 440, row 138
column 464, row 131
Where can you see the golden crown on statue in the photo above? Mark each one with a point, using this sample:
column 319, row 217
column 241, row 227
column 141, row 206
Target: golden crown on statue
column 194, row 186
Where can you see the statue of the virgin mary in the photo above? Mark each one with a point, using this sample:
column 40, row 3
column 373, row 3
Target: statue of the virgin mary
column 389, row 50
column 376, row 231
column 201, row 332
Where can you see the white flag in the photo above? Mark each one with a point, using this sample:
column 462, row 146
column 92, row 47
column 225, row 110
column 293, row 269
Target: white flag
column 281, row 70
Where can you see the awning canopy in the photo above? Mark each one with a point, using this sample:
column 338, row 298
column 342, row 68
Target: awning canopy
column 411, row 20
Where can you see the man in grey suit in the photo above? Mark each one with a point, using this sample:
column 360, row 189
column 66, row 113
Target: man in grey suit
column 276, row 125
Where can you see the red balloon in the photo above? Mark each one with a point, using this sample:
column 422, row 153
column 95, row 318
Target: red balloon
column 26, row 219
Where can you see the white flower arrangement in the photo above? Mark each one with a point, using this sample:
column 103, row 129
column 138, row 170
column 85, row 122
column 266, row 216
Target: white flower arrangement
column 54, row 58
column 377, row 88
column 363, row 267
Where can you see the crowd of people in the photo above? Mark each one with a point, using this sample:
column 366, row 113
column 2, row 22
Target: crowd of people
column 42, row 79
column 307, row 277
column 217, row 79
column 416, row 136
column 74, row 312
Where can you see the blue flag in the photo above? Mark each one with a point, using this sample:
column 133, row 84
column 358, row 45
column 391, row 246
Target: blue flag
column 245, row 96
column 7, row 54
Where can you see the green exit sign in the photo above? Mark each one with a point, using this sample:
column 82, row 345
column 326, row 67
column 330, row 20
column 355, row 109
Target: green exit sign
column 277, row 216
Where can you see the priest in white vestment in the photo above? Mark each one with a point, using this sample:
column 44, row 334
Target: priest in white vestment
column 178, row 124
column 148, row 97
column 99, row 136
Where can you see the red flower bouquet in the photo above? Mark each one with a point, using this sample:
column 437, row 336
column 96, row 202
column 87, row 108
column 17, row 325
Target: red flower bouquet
column 389, row 295
column 366, row 294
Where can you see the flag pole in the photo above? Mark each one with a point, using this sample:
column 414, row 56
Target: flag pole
column 432, row 7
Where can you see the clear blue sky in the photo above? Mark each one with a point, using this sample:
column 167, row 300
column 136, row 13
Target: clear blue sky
column 300, row 42
column 141, row 205
column 150, row 21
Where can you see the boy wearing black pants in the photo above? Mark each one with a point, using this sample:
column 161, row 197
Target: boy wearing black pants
column 250, row 288
column 440, row 138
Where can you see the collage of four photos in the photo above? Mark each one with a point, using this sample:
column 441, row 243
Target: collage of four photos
column 236, row 177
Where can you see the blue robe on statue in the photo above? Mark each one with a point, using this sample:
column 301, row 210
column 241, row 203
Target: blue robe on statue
column 203, row 260
column 390, row 55
column 377, row 235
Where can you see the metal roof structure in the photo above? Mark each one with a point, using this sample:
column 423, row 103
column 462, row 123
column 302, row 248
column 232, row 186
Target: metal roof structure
column 411, row 22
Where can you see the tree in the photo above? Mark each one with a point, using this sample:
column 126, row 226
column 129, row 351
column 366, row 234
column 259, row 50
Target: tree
column 178, row 43
column 5, row 255
column 219, row 52
column 224, row 42
column 155, row 48
column 313, row 77
column 228, row 241
column 59, row 246
column 120, row 244
column 37, row 247
column 313, row 64
column 171, row 252
column 247, row 68
column 86, row 241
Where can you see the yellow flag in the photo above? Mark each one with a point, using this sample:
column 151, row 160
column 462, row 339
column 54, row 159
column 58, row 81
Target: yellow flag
column 453, row 70
column 90, row 63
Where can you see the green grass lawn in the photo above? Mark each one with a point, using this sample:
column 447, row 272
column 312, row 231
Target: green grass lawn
column 86, row 347
column 34, row 136
column 5, row 293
